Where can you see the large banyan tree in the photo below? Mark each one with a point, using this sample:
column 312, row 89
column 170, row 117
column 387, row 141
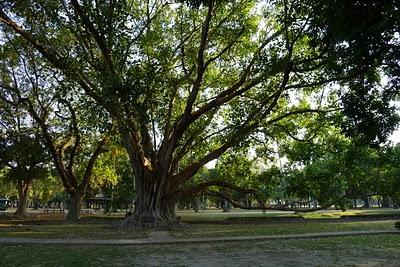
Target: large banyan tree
column 185, row 81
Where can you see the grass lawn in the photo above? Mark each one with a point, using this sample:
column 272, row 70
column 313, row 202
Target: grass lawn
column 377, row 250
column 106, row 231
column 218, row 215
column 382, row 250
column 51, row 226
column 218, row 230
column 69, row 231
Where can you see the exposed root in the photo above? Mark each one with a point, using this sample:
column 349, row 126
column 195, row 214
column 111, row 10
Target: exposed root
column 149, row 221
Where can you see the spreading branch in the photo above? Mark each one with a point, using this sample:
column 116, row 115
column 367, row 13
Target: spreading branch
column 281, row 207
column 54, row 58
column 203, row 187
column 99, row 38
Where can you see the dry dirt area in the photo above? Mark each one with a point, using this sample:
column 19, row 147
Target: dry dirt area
column 259, row 254
column 369, row 251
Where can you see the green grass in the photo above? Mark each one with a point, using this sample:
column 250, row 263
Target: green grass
column 69, row 231
column 106, row 231
column 349, row 213
column 39, row 226
column 218, row 215
column 338, row 251
column 222, row 230
column 381, row 250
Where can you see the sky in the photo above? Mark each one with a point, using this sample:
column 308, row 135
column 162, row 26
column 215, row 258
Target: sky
column 395, row 137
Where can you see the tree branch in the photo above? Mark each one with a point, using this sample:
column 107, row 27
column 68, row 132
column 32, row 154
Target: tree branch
column 100, row 40
column 299, row 111
column 224, row 50
column 90, row 165
column 200, row 60
column 201, row 187
column 53, row 57
column 262, row 206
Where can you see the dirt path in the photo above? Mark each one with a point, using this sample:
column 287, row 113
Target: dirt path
column 160, row 236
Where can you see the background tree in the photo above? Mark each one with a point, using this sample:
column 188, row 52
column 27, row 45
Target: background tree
column 71, row 130
column 112, row 176
column 22, row 153
column 7, row 189
column 361, row 38
column 46, row 189
column 389, row 183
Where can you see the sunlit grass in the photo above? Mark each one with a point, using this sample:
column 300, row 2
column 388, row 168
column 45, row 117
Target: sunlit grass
column 218, row 215
column 339, row 214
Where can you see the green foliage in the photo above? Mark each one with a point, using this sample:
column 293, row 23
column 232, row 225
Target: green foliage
column 236, row 167
column 24, row 156
column 337, row 169
column 48, row 188
column 361, row 35
column 389, row 182
column 112, row 175
column 7, row 189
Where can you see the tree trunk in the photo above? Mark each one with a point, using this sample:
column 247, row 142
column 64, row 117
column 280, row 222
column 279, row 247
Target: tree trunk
column 367, row 203
column 36, row 203
column 22, row 202
column 23, row 192
column 225, row 206
column 396, row 202
column 196, row 204
column 74, row 207
column 385, row 202
column 154, row 206
column 355, row 203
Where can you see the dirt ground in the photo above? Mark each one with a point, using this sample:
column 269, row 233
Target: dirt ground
column 368, row 251
column 261, row 254
column 263, row 258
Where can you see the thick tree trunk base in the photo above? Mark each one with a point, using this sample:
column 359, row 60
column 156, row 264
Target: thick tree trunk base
column 23, row 188
column 21, row 211
column 74, row 208
column 150, row 221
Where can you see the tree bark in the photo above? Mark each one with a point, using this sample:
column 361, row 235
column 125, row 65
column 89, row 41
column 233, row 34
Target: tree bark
column 24, row 188
column 367, row 202
column 196, row 204
column 74, row 207
column 154, row 206
column 385, row 202
column 225, row 206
